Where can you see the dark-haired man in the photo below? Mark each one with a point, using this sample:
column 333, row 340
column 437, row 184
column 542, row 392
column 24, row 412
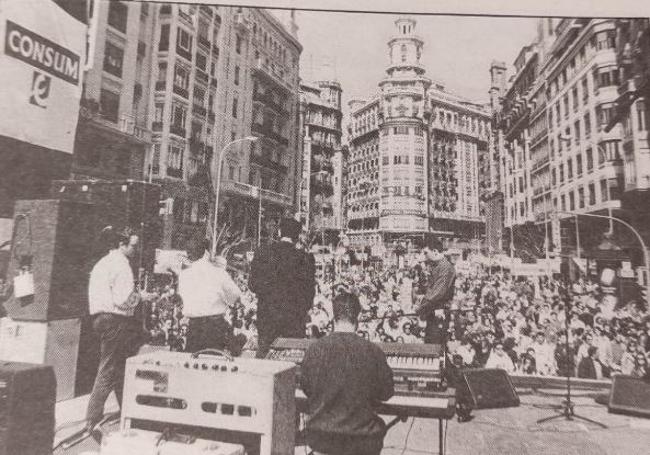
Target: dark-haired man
column 436, row 290
column 344, row 377
column 283, row 278
column 207, row 292
column 112, row 298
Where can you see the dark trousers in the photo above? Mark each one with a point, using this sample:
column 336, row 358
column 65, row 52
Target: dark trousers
column 210, row 332
column 120, row 337
column 337, row 444
column 435, row 331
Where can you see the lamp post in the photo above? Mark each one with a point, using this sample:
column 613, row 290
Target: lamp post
column 217, row 187
column 646, row 257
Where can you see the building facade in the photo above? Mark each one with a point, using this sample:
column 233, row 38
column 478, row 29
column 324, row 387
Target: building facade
column 113, row 133
column 414, row 155
column 321, row 114
column 566, row 150
column 221, row 74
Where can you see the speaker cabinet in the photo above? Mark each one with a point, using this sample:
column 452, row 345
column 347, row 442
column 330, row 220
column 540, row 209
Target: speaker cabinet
column 52, row 239
column 120, row 203
column 26, row 409
column 629, row 395
column 484, row 388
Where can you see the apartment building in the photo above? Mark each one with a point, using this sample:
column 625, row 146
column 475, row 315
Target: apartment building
column 414, row 155
column 321, row 115
column 222, row 74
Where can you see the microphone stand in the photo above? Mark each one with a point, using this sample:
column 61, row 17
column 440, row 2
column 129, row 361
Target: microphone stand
column 567, row 407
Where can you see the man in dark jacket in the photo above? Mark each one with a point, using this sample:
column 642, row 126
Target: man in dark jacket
column 345, row 377
column 436, row 290
column 283, row 279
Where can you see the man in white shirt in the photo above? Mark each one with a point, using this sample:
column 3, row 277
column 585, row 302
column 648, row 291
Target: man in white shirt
column 112, row 298
column 500, row 359
column 207, row 292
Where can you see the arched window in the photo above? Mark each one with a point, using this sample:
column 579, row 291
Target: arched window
column 403, row 50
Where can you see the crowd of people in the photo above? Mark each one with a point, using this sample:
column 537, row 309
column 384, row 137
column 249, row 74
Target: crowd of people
column 495, row 321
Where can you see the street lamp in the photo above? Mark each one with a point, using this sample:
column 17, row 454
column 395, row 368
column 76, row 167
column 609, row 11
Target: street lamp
column 217, row 186
column 646, row 257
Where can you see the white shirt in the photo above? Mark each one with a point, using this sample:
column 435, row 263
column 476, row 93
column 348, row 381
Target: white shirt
column 502, row 362
column 110, row 284
column 206, row 290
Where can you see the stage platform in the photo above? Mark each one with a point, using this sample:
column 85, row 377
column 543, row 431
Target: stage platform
column 511, row 431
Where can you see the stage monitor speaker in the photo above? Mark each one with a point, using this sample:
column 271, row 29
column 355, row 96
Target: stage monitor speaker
column 121, row 203
column 51, row 243
column 27, row 410
column 486, row 388
column 629, row 395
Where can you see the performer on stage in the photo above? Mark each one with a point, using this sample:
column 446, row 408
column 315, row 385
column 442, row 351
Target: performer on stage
column 283, row 278
column 112, row 298
column 435, row 291
column 344, row 376
column 207, row 292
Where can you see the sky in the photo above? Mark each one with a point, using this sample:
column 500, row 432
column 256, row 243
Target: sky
column 457, row 50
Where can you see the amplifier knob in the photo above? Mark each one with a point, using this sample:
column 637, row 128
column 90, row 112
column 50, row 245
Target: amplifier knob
column 196, row 366
column 187, row 364
column 224, row 368
column 215, row 367
column 204, row 366
column 234, row 369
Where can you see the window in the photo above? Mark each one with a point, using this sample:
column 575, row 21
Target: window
column 587, row 125
column 561, row 173
column 581, row 197
column 201, row 61
column 569, row 169
column 179, row 114
column 160, row 108
column 235, row 102
column 565, row 102
column 641, row 114
column 117, row 15
column 113, row 57
column 155, row 159
column 175, row 161
column 574, row 96
column 238, row 44
column 558, row 117
column 184, row 43
column 403, row 52
column 592, row 194
column 563, row 202
column 590, row 159
column 163, row 45
column 237, row 75
column 572, row 202
column 585, row 91
column 199, row 96
column 606, row 40
column 385, row 160
column 604, row 194
column 109, row 103
column 181, row 77
column 579, row 165
column 419, row 161
column 604, row 114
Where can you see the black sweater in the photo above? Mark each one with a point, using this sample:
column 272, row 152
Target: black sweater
column 344, row 377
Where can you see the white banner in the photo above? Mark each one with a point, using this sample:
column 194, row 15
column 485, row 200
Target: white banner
column 41, row 59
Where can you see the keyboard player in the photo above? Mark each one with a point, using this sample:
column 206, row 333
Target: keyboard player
column 344, row 377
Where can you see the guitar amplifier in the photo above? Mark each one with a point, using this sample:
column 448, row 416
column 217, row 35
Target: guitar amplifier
column 242, row 401
column 487, row 388
column 27, row 397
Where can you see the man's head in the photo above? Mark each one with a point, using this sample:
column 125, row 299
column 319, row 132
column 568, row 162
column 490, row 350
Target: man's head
column 592, row 352
column 196, row 247
column 290, row 228
column 432, row 249
column 125, row 240
column 346, row 308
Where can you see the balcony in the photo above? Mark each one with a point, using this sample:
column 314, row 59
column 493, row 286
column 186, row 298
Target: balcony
column 204, row 41
column 161, row 85
column 268, row 132
column 127, row 125
column 177, row 130
column 268, row 163
column 199, row 110
column 187, row 55
column 181, row 91
column 156, row 126
column 265, row 70
column 202, row 76
column 268, row 101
